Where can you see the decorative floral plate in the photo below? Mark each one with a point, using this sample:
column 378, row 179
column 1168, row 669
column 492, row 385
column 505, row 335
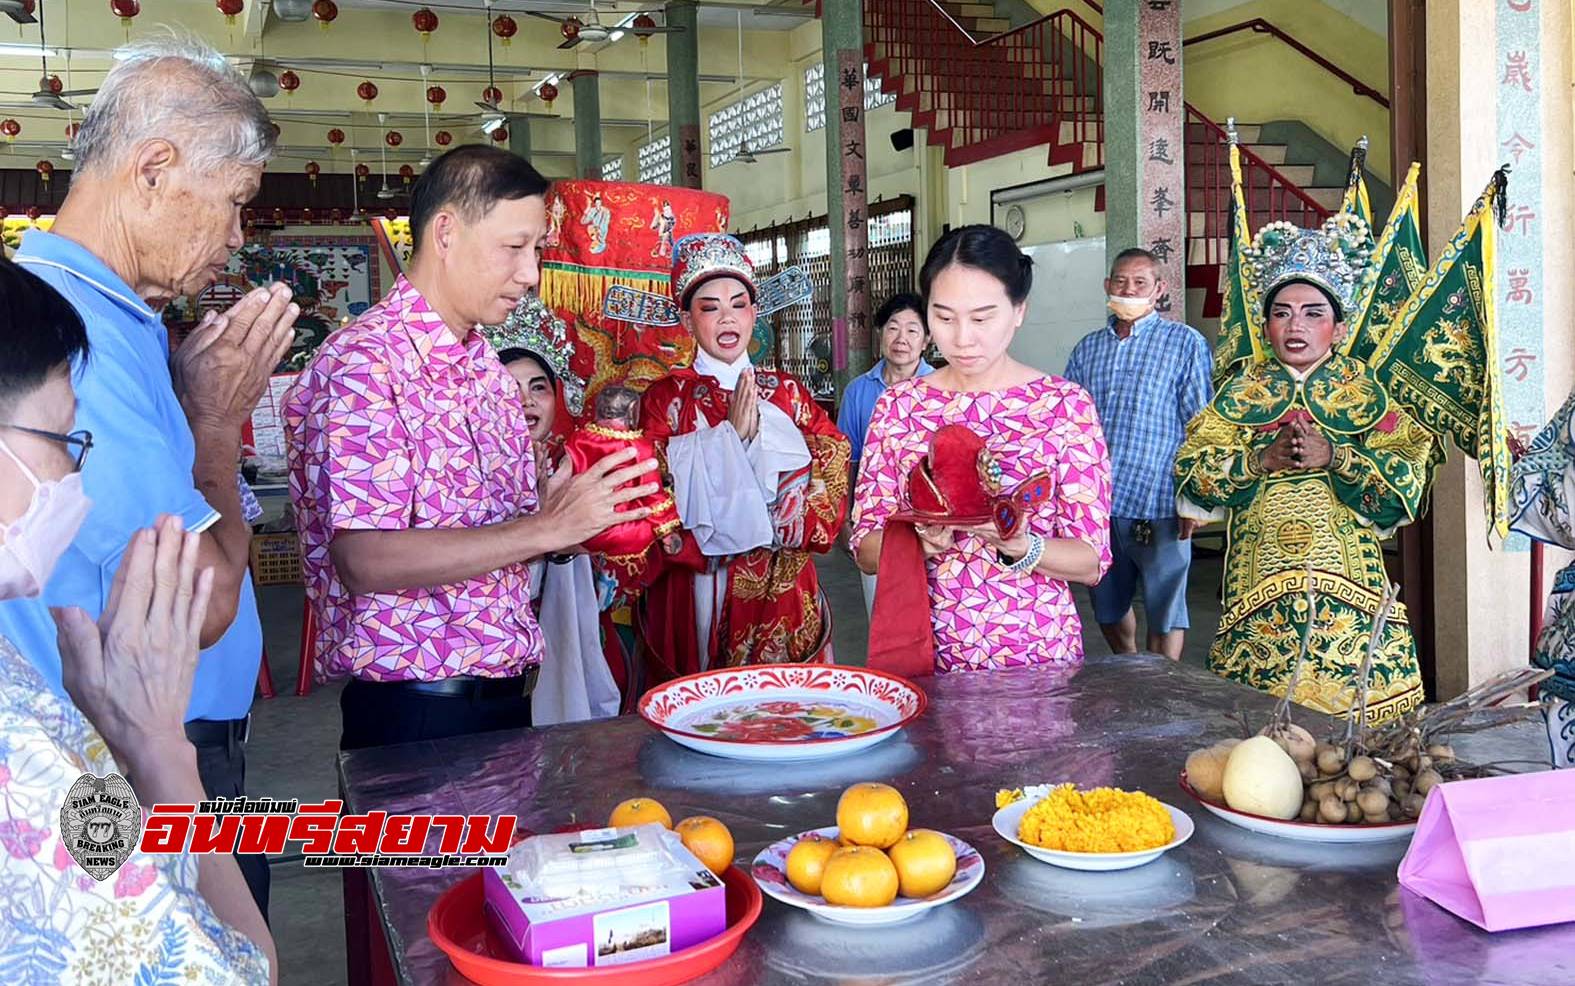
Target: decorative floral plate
column 1302, row 831
column 770, row 871
column 1008, row 822
column 782, row 711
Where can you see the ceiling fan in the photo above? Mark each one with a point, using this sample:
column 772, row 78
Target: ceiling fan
column 591, row 29
column 51, row 94
column 20, row 11
column 744, row 153
column 493, row 116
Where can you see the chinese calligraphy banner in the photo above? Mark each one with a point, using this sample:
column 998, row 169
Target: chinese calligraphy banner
column 1520, row 273
column 855, row 331
column 1163, row 207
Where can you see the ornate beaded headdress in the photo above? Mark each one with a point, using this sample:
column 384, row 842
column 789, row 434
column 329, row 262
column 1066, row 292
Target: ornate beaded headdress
column 535, row 327
column 1336, row 256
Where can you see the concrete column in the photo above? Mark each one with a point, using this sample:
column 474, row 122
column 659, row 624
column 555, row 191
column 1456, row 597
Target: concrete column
column 519, row 136
column 1497, row 90
column 1145, row 135
column 587, row 123
column 683, row 91
column 847, row 188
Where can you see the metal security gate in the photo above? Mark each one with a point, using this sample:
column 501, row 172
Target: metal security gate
column 801, row 335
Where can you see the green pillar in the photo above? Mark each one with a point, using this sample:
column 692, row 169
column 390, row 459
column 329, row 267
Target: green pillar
column 1145, row 135
column 519, row 136
column 847, row 188
column 587, row 123
column 683, row 91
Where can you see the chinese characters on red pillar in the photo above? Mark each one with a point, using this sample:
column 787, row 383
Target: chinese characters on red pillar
column 1162, row 208
column 855, row 206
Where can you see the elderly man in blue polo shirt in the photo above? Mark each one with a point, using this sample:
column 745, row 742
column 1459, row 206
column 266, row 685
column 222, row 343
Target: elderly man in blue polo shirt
column 904, row 334
column 1148, row 376
column 170, row 150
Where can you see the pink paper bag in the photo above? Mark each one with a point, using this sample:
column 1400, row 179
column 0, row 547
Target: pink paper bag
column 1497, row 851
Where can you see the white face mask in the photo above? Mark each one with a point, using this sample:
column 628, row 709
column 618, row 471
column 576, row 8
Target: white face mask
column 1129, row 309
column 35, row 541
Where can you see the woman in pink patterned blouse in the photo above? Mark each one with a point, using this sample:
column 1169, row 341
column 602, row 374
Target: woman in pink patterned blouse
column 995, row 602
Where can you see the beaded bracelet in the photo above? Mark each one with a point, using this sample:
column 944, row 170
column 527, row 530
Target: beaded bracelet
column 1036, row 551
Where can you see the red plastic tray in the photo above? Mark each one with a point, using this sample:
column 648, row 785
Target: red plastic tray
column 458, row 926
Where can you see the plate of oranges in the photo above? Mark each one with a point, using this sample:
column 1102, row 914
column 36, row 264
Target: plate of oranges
column 870, row 868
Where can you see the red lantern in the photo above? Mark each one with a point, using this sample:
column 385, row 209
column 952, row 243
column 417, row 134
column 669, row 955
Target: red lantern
column 393, row 138
column 425, row 22
column 492, row 95
column 125, row 10
column 571, row 28
column 443, row 138
column 336, row 136
column 33, row 213
column 642, row 25
column 51, row 83
column 361, row 172
column 10, row 128
column 289, row 81
column 313, row 169
column 72, row 129
column 230, row 9
column 326, row 12
column 548, row 93
column 406, row 172
column 505, row 28
column 367, row 91
column 435, row 96
column 500, row 135
column 45, row 170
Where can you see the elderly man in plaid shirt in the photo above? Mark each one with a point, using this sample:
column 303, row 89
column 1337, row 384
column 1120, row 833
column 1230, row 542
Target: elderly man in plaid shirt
column 1148, row 376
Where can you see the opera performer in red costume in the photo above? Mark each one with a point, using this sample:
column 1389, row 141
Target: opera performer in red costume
column 760, row 474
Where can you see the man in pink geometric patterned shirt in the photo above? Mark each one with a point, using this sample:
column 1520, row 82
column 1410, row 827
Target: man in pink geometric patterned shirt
column 413, row 481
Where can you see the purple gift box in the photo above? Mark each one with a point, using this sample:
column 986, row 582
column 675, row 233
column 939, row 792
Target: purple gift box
column 684, row 906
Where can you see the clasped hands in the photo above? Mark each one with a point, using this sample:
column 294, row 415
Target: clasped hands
column 938, row 538
column 1300, row 444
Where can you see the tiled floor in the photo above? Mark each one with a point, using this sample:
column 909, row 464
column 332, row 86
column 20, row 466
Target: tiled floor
column 294, row 741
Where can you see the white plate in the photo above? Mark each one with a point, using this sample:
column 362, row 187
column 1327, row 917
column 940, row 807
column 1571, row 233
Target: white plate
column 777, row 712
column 1302, row 831
column 1009, row 820
column 770, row 871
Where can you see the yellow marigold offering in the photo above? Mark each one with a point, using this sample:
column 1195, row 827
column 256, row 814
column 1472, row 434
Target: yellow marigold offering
column 1105, row 819
column 1006, row 797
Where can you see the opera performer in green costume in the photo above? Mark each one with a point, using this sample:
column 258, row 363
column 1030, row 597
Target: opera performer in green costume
column 1314, row 456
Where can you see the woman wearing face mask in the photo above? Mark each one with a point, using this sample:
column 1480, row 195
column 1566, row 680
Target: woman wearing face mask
column 995, row 602
column 575, row 682
column 904, row 335
column 129, row 677
column 761, row 478
column 1312, row 465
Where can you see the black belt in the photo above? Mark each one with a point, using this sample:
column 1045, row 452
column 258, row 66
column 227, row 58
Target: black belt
column 219, row 732
column 468, row 686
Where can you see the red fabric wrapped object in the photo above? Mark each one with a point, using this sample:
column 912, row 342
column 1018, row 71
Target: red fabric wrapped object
column 958, row 484
column 604, row 233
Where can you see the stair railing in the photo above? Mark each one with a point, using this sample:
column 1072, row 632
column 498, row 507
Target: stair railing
column 1260, row 26
column 1038, row 83
column 1269, row 195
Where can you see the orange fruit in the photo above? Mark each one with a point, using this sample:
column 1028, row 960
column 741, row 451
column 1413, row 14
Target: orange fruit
column 709, row 840
column 859, row 877
column 806, row 863
column 640, row 811
column 925, row 862
column 872, row 815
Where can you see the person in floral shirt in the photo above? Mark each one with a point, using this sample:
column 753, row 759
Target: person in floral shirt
column 165, row 918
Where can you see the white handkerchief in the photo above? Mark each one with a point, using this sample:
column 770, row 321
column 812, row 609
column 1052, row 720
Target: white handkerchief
column 719, row 498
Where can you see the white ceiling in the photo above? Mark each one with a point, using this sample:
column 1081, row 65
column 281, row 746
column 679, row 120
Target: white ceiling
column 759, row 15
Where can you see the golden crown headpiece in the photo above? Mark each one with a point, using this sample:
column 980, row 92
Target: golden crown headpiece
column 1337, row 257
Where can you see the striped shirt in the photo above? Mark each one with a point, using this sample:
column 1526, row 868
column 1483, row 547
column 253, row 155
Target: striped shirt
column 1146, row 388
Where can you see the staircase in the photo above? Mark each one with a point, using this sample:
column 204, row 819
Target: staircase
column 981, row 90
